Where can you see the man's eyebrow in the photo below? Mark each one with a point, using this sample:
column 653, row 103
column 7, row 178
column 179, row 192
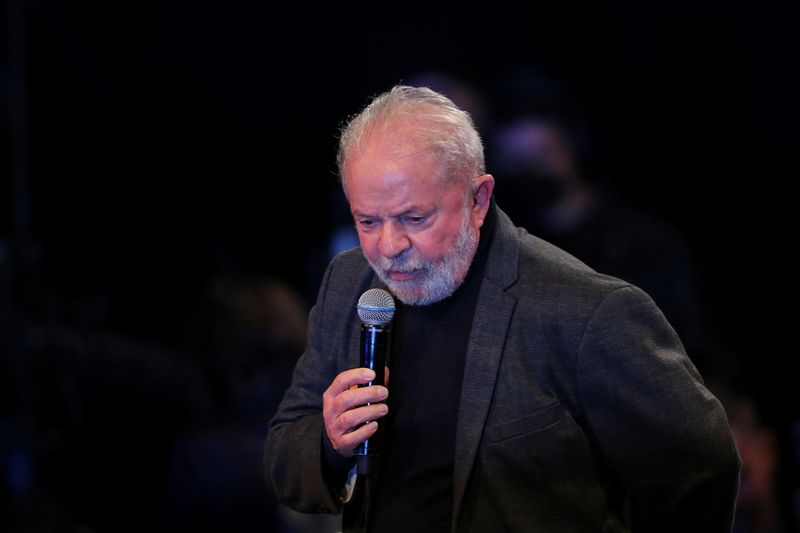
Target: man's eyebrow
column 404, row 212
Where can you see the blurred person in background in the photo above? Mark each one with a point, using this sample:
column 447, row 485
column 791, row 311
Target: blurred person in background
column 546, row 189
column 251, row 328
column 757, row 505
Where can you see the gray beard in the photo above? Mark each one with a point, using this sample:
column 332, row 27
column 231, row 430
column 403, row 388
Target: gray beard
column 437, row 279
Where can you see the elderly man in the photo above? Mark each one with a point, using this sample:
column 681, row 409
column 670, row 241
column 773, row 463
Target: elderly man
column 527, row 392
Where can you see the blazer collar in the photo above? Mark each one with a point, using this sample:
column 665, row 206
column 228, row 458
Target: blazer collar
column 502, row 266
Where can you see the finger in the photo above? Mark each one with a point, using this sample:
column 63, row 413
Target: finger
column 352, row 419
column 347, row 442
column 386, row 375
column 360, row 396
column 353, row 427
column 348, row 378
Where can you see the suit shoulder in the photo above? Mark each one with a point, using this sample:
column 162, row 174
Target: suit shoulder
column 557, row 295
column 550, row 273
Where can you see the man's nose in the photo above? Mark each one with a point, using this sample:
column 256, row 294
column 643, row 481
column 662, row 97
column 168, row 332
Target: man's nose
column 393, row 240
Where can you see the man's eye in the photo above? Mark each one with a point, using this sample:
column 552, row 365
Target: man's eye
column 366, row 223
column 415, row 220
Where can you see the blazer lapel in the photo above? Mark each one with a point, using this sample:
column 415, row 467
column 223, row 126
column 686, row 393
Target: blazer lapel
column 487, row 338
column 490, row 325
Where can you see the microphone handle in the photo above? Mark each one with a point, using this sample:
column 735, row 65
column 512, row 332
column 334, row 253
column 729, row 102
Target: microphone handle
column 374, row 350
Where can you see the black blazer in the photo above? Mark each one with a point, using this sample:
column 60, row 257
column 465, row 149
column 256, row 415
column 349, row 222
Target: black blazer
column 579, row 411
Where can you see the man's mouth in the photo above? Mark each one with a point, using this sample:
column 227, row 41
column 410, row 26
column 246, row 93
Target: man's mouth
column 399, row 275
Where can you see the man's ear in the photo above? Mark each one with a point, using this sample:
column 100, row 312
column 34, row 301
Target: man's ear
column 482, row 195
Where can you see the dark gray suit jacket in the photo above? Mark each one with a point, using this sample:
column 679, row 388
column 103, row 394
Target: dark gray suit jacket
column 580, row 410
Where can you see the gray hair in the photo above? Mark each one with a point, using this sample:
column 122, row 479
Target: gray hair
column 431, row 119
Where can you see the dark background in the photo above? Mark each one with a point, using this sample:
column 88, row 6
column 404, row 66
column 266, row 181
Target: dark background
column 150, row 149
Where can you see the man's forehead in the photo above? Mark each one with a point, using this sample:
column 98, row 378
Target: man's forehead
column 393, row 155
column 394, row 143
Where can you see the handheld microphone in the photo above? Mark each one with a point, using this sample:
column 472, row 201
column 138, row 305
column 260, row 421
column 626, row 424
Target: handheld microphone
column 375, row 309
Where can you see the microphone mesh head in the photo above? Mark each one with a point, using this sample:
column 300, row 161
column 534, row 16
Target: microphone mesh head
column 376, row 307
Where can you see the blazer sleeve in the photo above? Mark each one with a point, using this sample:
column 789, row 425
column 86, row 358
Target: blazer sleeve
column 293, row 457
column 662, row 436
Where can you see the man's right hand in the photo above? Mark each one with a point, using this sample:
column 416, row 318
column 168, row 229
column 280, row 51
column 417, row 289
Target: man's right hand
column 344, row 409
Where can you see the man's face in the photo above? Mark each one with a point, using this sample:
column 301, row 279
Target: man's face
column 417, row 230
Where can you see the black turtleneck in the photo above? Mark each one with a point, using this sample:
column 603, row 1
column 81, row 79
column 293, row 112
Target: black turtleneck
column 414, row 490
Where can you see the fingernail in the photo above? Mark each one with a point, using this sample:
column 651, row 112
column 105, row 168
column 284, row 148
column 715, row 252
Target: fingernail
column 369, row 374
